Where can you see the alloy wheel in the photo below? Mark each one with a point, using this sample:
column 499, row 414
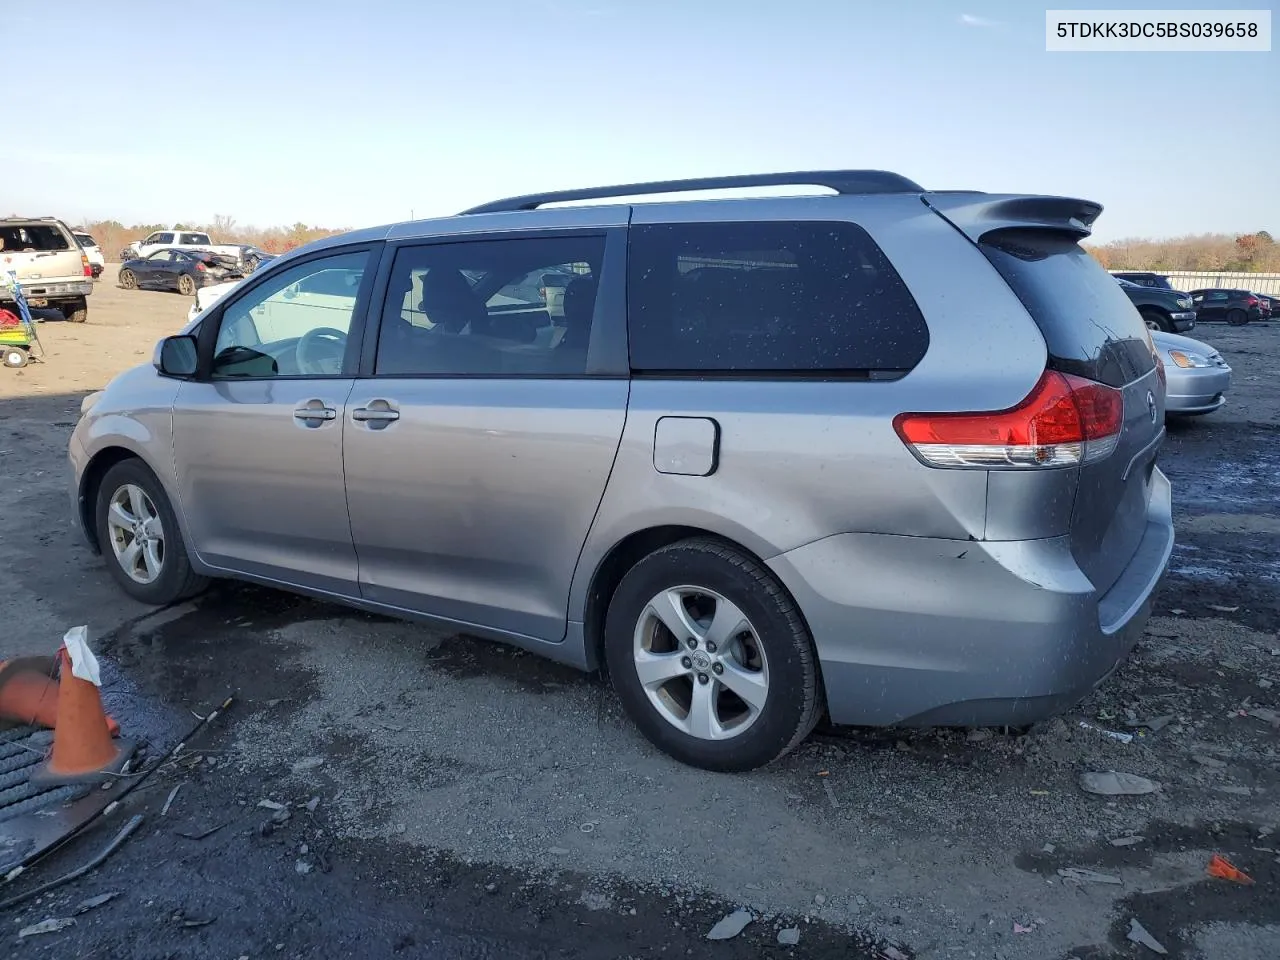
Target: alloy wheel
column 137, row 534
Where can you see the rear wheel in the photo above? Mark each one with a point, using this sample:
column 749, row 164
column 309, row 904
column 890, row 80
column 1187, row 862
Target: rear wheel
column 186, row 285
column 1156, row 321
column 15, row 357
column 711, row 658
column 140, row 538
column 128, row 280
column 1237, row 318
column 77, row 311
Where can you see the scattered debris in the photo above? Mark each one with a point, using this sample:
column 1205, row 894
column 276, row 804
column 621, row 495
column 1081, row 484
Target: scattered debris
column 831, row 795
column 1235, row 791
column 190, row 922
column 1019, row 928
column 302, row 867
column 1155, row 724
column 890, row 952
column 731, row 926
column 1138, row 934
column 14, row 874
column 819, row 899
column 270, row 805
column 1265, row 684
column 789, row 936
column 1122, row 737
column 978, row 735
column 1206, row 761
column 1049, row 848
column 312, row 804
column 1177, row 613
column 281, row 816
column 559, row 851
column 1224, row 869
column 1112, row 783
column 164, row 811
column 1268, row 716
column 1127, row 841
column 84, row 906
column 1088, row 876
column 134, row 823
column 203, row 833
column 307, row 763
column 1221, row 609
column 1039, row 793
column 490, row 888
column 45, row 926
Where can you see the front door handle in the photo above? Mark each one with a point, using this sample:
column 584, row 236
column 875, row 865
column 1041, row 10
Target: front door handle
column 313, row 412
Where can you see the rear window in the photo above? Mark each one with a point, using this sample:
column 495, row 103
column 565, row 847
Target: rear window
column 768, row 298
column 34, row 238
column 196, row 238
column 1089, row 324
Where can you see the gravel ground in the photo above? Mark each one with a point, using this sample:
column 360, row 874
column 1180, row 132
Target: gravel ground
column 476, row 801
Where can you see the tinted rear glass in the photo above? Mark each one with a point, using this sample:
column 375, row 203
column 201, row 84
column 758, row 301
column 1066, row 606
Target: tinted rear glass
column 768, row 298
column 1090, row 325
column 33, row 238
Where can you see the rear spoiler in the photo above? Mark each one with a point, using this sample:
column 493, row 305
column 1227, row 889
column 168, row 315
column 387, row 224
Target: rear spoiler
column 977, row 214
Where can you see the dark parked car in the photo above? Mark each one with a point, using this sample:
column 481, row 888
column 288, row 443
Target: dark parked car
column 1144, row 279
column 183, row 270
column 1236, row 307
column 1161, row 309
column 250, row 258
column 1273, row 301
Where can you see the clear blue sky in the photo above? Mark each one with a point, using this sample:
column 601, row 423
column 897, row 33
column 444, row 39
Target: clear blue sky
column 354, row 113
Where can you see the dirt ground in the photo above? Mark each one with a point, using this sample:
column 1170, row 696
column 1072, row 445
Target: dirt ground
column 474, row 801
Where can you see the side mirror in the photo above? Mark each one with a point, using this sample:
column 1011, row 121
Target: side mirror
column 178, row 356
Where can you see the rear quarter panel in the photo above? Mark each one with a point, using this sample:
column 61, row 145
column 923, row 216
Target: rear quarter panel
column 803, row 460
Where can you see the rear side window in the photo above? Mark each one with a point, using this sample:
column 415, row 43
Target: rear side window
column 33, row 238
column 195, row 238
column 1090, row 325
column 768, row 298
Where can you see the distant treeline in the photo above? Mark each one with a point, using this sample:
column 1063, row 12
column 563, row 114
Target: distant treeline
column 1206, row 252
column 113, row 236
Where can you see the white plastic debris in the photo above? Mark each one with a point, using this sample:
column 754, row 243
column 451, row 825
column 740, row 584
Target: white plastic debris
column 789, row 936
column 731, row 926
column 1111, row 783
column 1088, row 876
column 83, row 663
column 1138, row 934
column 45, row 926
column 1114, row 735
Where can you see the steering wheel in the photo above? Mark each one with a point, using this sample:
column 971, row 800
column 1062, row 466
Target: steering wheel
column 320, row 351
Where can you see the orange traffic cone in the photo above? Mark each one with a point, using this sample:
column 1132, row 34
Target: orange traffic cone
column 83, row 750
column 28, row 692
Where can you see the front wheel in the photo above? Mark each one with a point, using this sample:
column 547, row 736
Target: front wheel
column 139, row 535
column 128, row 280
column 15, row 357
column 1237, row 318
column 186, row 285
column 711, row 658
column 77, row 311
column 1155, row 321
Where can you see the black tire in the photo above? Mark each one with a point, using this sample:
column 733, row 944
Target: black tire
column 1237, row 318
column 177, row 581
column 15, row 357
column 77, row 311
column 128, row 280
column 793, row 705
column 1155, row 320
column 186, row 285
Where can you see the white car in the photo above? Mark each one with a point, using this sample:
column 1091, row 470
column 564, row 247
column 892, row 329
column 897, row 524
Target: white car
column 97, row 262
column 208, row 296
column 182, row 240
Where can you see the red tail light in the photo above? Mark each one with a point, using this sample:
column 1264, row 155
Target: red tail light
column 1251, row 300
column 1065, row 420
column 84, row 265
column 200, row 266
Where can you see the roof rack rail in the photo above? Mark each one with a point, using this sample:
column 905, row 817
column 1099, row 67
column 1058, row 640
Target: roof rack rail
column 841, row 181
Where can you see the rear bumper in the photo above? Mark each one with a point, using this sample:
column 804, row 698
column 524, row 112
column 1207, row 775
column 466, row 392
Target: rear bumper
column 920, row 632
column 50, row 291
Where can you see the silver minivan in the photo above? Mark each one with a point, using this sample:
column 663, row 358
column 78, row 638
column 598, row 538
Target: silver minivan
column 885, row 455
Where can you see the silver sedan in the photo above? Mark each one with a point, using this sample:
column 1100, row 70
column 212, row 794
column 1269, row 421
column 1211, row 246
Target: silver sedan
column 1198, row 378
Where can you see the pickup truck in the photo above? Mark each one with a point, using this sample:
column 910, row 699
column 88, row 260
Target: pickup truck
column 181, row 240
column 53, row 269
